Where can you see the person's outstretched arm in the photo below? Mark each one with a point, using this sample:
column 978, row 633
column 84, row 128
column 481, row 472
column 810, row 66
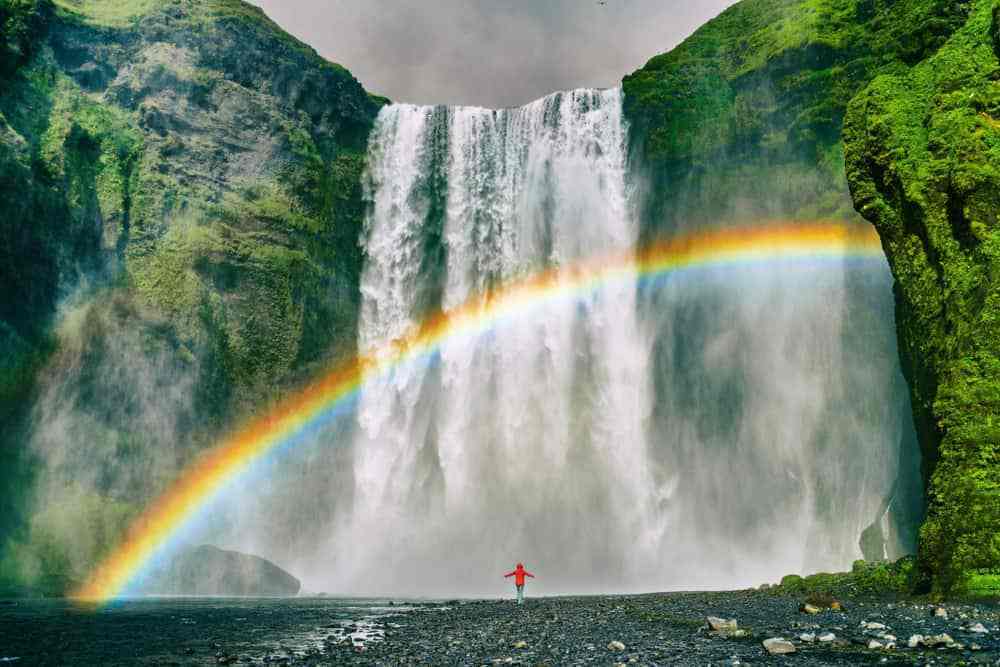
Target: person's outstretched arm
column 528, row 574
column 509, row 574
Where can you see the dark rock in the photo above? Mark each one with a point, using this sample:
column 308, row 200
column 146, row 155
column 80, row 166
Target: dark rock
column 208, row 570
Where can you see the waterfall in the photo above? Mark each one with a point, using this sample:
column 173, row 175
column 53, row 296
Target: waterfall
column 712, row 433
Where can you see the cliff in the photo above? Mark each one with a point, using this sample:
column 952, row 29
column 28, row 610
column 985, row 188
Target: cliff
column 923, row 162
column 746, row 120
column 182, row 177
column 743, row 119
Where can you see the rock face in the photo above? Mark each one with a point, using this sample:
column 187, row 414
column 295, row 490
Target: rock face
column 747, row 119
column 924, row 167
column 743, row 119
column 209, row 571
column 199, row 168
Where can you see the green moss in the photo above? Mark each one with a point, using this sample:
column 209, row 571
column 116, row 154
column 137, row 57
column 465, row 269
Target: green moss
column 762, row 89
column 983, row 584
column 111, row 13
column 865, row 580
column 745, row 119
column 123, row 157
column 923, row 151
column 22, row 25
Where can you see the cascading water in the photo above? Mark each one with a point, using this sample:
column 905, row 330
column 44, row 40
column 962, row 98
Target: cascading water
column 535, row 442
column 711, row 433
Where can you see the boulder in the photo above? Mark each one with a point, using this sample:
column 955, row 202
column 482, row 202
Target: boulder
column 209, row 571
column 942, row 639
column 779, row 646
column 721, row 625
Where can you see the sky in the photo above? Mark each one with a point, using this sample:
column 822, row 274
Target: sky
column 491, row 53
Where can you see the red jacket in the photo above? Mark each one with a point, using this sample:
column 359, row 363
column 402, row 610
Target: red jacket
column 519, row 574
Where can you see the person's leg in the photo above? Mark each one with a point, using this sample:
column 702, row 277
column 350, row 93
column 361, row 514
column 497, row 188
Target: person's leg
column 520, row 594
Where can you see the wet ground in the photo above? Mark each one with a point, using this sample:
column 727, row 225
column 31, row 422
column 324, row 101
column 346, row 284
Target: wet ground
column 661, row 629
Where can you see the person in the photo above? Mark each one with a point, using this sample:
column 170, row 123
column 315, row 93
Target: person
column 519, row 574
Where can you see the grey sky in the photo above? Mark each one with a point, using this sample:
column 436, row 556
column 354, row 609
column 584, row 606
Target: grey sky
column 489, row 52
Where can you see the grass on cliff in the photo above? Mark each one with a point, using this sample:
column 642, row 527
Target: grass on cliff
column 110, row 13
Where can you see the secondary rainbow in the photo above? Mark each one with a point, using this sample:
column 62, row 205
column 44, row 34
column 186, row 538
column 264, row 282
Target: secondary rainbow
column 155, row 530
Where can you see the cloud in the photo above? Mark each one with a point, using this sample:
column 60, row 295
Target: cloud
column 489, row 52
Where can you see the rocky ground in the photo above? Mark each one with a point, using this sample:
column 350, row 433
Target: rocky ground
column 658, row 629
column 673, row 629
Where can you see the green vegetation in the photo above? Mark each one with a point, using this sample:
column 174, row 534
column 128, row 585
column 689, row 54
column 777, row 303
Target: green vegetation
column 205, row 167
column 111, row 13
column 923, row 159
column 744, row 120
column 752, row 104
column 866, row 579
column 22, row 22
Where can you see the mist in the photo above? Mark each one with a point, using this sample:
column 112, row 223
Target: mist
column 484, row 53
column 114, row 421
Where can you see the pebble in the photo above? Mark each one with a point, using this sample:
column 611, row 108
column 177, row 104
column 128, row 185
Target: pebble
column 915, row 640
column 828, row 637
column 779, row 646
column 807, row 637
column 978, row 628
column 941, row 612
column 615, row 645
column 872, row 626
column 874, row 644
column 807, row 608
column 521, row 644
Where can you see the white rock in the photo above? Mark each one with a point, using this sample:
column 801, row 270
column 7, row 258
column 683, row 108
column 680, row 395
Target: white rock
column 887, row 637
column 978, row 628
column 873, row 625
column 807, row 637
column 720, row 624
column 941, row 612
column 615, row 645
column 809, row 609
column 915, row 640
column 779, row 646
column 874, row 643
column 828, row 637
column 521, row 644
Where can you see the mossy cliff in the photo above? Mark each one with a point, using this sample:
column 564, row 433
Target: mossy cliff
column 743, row 119
column 923, row 162
column 202, row 169
column 746, row 120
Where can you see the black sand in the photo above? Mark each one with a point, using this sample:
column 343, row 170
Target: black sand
column 661, row 629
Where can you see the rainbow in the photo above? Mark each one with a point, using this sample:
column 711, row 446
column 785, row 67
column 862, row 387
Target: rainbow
column 158, row 527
